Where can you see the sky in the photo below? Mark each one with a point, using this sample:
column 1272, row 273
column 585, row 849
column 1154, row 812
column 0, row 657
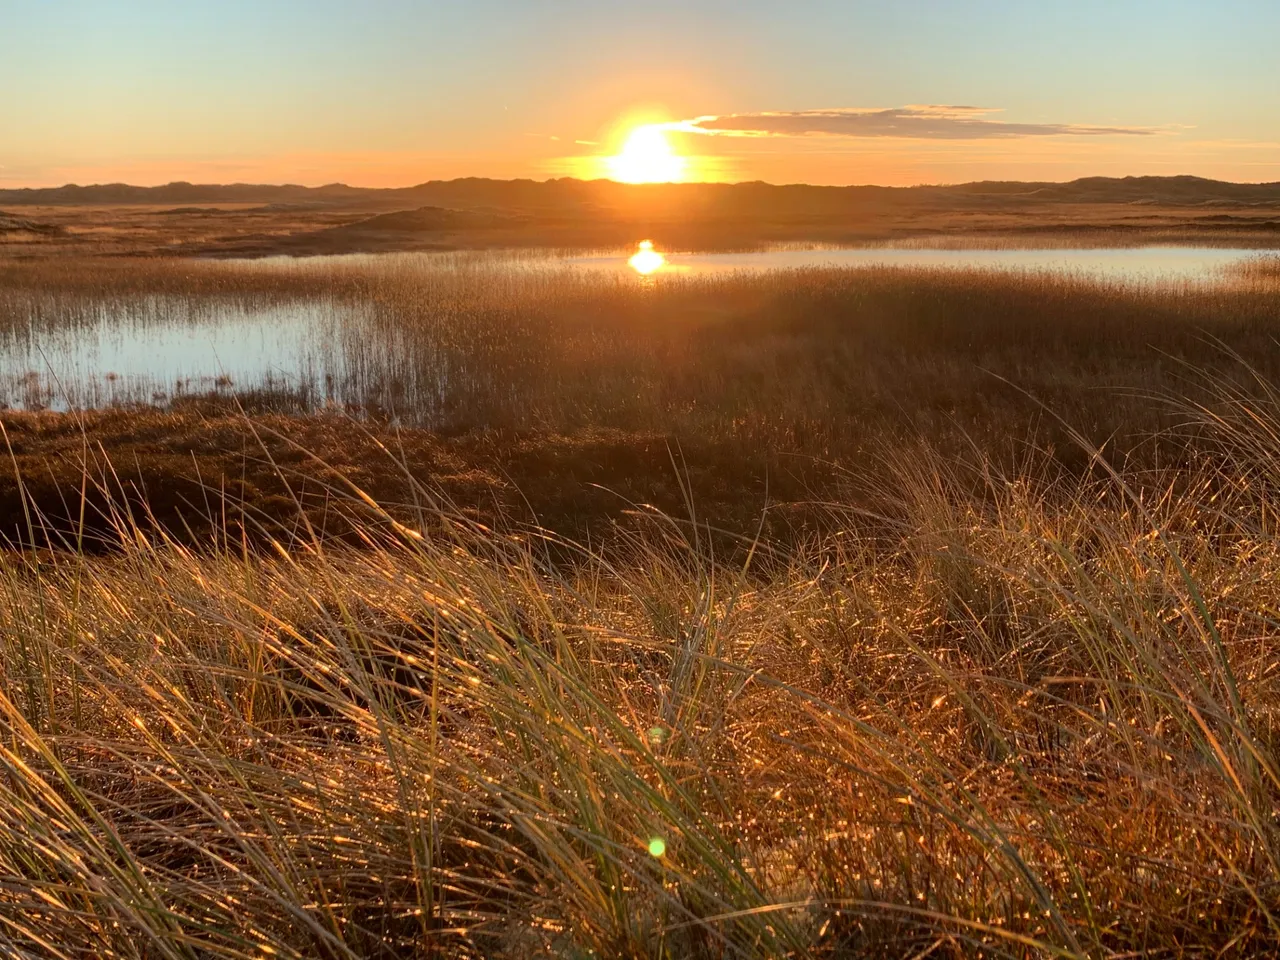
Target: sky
column 392, row 92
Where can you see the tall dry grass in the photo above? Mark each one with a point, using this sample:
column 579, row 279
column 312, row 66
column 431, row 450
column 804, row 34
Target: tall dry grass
column 1028, row 716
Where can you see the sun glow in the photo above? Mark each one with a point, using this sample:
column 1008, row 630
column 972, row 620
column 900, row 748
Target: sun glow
column 646, row 260
column 647, row 157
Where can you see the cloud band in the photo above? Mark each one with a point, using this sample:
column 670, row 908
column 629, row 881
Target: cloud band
column 908, row 123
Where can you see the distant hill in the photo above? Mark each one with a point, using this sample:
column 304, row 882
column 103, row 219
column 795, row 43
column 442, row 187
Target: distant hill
column 579, row 197
column 180, row 193
column 1181, row 190
column 241, row 219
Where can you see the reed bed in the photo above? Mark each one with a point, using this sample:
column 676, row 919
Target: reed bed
column 810, row 362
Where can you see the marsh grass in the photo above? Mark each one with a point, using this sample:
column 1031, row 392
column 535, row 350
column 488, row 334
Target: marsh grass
column 1034, row 715
column 809, row 362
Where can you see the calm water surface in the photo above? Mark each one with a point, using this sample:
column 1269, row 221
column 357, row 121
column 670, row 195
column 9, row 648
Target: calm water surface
column 1136, row 264
column 156, row 349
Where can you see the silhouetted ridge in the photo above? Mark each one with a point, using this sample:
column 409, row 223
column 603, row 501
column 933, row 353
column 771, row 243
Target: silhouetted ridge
column 750, row 198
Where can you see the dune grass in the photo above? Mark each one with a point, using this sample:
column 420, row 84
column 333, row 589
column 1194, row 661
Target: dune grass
column 1033, row 716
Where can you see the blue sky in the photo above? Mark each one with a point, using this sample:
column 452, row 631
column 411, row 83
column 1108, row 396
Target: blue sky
column 388, row 91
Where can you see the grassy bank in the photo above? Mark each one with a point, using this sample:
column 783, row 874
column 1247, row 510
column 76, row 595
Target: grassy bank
column 1028, row 722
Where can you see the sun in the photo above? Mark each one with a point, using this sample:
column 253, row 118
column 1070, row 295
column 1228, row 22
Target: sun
column 647, row 157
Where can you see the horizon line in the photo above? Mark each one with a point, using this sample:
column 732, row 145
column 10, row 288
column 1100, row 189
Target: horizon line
column 606, row 180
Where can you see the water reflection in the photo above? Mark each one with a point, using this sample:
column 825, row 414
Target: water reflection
column 1164, row 264
column 646, row 260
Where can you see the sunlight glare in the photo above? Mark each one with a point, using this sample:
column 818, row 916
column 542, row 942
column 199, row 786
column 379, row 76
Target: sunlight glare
column 647, row 157
column 646, row 260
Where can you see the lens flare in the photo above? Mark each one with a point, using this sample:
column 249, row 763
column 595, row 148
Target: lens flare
column 646, row 260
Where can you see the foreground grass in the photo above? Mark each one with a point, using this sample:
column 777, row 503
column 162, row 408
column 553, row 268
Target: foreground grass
column 1028, row 715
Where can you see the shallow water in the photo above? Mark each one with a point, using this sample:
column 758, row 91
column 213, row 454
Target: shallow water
column 157, row 349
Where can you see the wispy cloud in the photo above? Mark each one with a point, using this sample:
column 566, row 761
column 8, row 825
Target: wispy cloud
column 931, row 122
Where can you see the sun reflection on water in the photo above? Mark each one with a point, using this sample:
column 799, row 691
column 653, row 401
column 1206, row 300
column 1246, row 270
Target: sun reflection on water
column 646, row 260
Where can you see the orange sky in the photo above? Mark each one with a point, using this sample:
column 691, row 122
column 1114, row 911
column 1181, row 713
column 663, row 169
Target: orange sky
column 393, row 92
